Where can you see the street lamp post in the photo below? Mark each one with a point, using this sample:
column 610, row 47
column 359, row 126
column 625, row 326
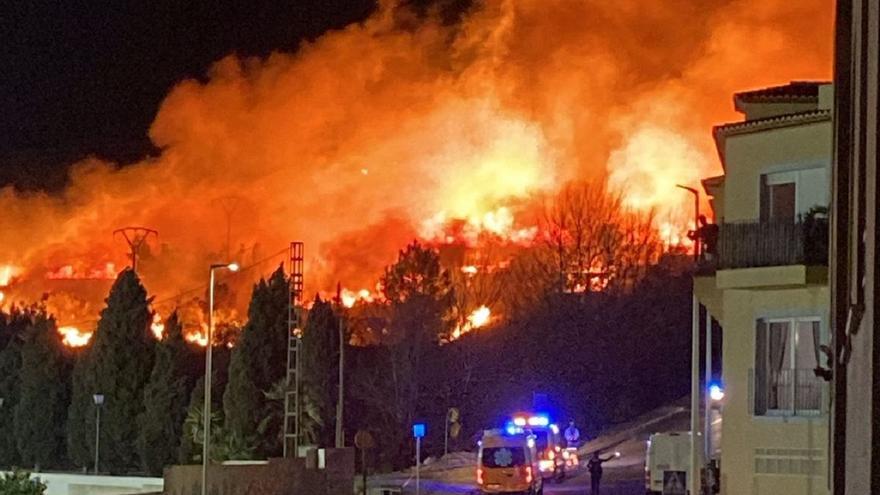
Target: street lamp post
column 99, row 401
column 696, row 218
column 206, row 410
column 694, row 478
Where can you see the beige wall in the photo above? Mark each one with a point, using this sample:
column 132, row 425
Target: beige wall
column 742, row 433
column 776, row 150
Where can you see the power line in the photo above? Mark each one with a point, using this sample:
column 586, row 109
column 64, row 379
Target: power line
column 243, row 269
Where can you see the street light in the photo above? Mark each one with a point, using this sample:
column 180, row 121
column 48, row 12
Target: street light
column 695, row 355
column 99, row 401
column 206, row 410
column 696, row 218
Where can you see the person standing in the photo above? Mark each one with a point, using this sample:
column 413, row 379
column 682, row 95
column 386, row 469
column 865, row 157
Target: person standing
column 572, row 436
column 594, row 466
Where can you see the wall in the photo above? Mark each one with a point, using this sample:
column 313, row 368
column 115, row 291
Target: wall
column 82, row 484
column 776, row 150
column 743, row 435
column 277, row 477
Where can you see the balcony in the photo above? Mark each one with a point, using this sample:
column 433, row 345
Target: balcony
column 786, row 392
column 759, row 244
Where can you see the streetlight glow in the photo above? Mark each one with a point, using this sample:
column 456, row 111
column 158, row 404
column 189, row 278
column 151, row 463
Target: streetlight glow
column 233, row 267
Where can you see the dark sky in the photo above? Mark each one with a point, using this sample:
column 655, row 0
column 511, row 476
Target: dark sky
column 87, row 76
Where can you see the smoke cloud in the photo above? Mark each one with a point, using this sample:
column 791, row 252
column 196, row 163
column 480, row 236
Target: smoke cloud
column 373, row 134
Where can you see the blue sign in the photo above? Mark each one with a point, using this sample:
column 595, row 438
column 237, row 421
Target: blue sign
column 418, row 430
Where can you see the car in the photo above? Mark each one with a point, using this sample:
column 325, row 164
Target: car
column 667, row 462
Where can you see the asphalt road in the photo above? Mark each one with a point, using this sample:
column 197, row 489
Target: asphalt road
column 622, row 476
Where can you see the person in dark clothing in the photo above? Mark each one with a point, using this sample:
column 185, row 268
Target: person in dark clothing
column 594, row 465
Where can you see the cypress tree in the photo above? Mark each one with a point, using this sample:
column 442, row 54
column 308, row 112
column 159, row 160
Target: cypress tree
column 320, row 344
column 12, row 326
column 44, row 392
column 165, row 401
column 118, row 366
column 81, row 411
column 258, row 362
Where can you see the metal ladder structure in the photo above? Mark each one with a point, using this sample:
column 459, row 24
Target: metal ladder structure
column 293, row 378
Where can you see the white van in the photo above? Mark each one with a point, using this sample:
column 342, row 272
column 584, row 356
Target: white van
column 667, row 461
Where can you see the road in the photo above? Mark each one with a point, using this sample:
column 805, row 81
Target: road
column 622, row 476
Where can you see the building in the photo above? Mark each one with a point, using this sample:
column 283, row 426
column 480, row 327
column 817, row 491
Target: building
column 854, row 239
column 766, row 283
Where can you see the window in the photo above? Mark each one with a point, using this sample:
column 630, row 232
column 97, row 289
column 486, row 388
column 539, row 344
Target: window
column 502, row 457
column 778, row 197
column 786, row 353
column 787, row 196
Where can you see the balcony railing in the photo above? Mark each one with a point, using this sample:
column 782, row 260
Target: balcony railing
column 787, row 392
column 757, row 244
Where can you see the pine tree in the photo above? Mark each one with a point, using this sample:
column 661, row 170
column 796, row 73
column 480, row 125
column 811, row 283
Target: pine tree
column 258, row 363
column 118, row 366
column 320, row 343
column 166, row 397
column 44, row 392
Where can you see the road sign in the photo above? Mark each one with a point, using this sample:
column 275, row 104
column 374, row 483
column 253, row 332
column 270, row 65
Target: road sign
column 419, row 430
column 364, row 440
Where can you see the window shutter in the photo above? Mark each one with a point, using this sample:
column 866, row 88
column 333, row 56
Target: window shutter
column 759, row 377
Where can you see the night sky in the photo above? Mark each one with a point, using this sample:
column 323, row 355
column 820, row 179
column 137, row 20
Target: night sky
column 86, row 77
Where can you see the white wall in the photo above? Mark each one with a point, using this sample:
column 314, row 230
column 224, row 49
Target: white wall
column 84, row 484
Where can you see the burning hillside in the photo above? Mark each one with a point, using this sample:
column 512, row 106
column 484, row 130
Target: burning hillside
column 403, row 127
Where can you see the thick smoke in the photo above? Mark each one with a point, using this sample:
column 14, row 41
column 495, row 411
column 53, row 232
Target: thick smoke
column 373, row 134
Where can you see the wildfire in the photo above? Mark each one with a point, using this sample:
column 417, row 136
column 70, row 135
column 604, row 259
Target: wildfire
column 198, row 337
column 107, row 271
column 8, row 274
column 157, row 326
column 73, row 336
column 478, row 318
column 350, row 298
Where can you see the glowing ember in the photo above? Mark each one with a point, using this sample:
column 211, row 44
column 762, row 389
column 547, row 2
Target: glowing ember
column 469, row 269
column 74, row 337
column 157, row 327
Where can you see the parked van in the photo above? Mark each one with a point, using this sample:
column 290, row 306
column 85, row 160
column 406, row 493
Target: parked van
column 508, row 464
column 667, row 463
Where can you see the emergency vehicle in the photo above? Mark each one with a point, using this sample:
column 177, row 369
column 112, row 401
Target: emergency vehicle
column 554, row 459
column 508, row 463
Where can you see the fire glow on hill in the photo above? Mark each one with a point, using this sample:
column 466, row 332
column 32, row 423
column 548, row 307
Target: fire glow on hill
column 405, row 127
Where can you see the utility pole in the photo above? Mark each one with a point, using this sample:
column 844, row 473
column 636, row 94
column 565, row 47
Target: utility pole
column 135, row 237
column 340, row 401
column 229, row 205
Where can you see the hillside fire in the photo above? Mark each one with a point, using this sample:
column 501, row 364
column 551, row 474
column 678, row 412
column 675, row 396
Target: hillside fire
column 454, row 135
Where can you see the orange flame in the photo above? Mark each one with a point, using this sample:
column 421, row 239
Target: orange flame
column 478, row 318
column 157, row 327
column 74, row 337
column 350, row 298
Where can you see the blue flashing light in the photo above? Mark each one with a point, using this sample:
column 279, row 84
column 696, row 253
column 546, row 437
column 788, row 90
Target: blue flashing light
column 539, row 421
column 512, row 429
column 418, row 430
column 519, row 421
column 716, row 392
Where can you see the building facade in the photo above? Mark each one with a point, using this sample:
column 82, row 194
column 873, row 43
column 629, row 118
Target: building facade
column 854, row 240
column 766, row 282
